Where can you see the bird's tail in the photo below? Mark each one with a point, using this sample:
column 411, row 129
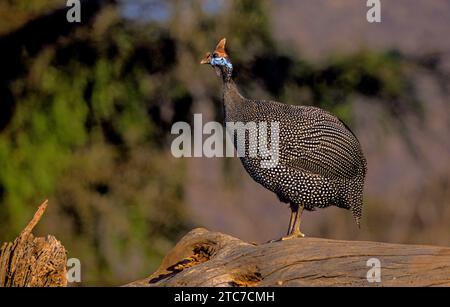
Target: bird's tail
column 352, row 197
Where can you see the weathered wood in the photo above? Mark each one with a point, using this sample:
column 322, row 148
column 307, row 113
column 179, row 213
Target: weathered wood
column 33, row 262
column 204, row 258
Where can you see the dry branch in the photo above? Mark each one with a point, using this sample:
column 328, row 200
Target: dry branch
column 204, row 258
column 33, row 262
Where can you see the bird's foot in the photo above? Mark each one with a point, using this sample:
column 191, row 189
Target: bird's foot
column 288, row 237
column 293, row 236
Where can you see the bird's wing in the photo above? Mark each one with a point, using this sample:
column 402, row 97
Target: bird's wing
column 325, row 147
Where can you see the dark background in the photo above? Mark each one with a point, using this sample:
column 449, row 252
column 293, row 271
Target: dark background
column 86, row 112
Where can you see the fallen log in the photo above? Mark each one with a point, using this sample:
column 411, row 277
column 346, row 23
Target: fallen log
column 204, row 258
column 33, row 262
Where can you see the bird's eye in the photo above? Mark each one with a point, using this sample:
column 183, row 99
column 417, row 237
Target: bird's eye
column 215, row 55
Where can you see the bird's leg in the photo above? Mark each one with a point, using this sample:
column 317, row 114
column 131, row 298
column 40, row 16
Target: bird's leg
column 296, row 231
column 294, row 214
column 294, row 225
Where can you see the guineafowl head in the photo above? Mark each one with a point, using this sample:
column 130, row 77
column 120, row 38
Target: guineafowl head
column 220, row 60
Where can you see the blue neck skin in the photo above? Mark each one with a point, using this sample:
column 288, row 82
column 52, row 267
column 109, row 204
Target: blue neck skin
column 218, row 61
column 225, row 66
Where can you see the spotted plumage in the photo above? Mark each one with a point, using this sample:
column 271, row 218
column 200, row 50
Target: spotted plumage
column 320, row 160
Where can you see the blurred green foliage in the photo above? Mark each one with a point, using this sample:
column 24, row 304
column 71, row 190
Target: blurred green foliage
column 92, row 113
column 86, row 130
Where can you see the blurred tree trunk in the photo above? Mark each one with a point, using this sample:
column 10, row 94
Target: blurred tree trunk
column 33, row 262
column 204, row 258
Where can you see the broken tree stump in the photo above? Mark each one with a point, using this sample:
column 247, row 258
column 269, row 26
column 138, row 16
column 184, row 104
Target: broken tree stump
column 204, row 258
column 33, row 262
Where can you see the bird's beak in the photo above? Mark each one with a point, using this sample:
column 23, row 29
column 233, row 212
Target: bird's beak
column 206, row 59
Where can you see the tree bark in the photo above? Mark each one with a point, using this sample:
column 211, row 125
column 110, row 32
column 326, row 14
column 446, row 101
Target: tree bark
column 33, row 262
column 204, row 258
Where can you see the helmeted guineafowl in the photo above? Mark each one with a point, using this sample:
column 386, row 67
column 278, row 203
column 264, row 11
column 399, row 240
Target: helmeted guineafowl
column 320, row 161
